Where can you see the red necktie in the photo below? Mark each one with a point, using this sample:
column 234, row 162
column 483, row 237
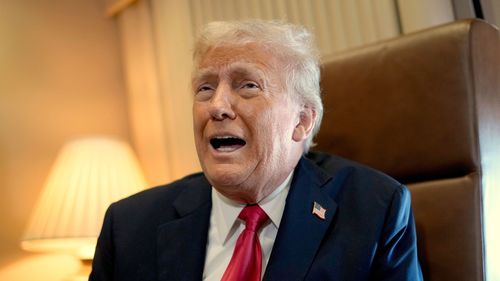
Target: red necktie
column 246, row 262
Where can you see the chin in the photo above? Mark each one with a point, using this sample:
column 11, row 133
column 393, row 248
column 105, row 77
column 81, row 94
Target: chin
column 224, row 176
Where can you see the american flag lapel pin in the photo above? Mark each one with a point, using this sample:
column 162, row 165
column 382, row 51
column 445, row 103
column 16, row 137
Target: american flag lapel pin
column 318, row 210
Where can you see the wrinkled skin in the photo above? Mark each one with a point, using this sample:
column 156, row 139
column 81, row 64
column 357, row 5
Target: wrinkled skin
column 239, row 93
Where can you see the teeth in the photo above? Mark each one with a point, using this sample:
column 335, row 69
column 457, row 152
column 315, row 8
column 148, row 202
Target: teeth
column 226, row 148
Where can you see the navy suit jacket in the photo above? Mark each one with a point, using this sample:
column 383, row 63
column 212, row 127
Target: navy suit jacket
column 368, row 232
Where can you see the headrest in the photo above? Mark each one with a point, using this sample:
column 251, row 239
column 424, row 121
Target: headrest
column 409, row 106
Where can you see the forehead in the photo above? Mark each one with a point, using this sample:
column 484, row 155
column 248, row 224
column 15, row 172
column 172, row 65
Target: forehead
column 238, row 59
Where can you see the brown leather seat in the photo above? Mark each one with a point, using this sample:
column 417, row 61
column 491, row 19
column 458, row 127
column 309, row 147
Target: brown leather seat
column 423, row 108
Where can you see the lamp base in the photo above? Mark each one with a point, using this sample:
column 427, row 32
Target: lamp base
column 83, row 272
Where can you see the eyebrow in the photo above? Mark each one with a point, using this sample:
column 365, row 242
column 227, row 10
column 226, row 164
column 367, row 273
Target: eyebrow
column 238, row 68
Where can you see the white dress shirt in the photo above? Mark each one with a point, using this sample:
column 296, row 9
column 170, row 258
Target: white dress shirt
column 226, row 227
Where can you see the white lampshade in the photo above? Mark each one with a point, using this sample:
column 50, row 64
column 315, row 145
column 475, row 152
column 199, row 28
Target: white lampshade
column 87, row 176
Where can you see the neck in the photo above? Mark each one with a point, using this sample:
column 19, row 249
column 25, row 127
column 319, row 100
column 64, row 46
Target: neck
column 247, row 198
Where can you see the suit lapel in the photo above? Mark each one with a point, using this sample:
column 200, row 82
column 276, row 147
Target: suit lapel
column 182, row 242
column 300, row 232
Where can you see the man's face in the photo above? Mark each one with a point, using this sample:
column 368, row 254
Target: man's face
column 247, row 127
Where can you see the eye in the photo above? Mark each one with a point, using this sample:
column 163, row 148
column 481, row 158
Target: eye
column 204, row 88
column 250, row 85
column 204, row 92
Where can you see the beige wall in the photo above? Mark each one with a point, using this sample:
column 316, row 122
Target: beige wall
column 418, row 15
column 60, row 77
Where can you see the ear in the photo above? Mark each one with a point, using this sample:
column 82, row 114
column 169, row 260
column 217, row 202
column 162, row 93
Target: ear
column 304, row 127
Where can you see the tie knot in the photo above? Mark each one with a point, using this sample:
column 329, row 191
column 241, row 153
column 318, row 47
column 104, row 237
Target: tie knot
column 253, row 216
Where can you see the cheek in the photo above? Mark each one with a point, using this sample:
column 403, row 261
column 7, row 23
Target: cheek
column 199, row 117
column 199, row 123
column 273, row 128
column 284, row 120
column 262, row 122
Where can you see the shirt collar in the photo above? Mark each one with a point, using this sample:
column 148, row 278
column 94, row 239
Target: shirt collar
column 226, row 211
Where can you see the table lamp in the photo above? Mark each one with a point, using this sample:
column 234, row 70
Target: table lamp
column 87, row 176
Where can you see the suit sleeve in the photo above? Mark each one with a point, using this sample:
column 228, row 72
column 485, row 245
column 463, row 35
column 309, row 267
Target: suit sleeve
column 396, row 258
column 103, row 263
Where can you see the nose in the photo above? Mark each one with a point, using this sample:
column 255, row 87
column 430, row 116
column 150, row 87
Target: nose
column 221, row 104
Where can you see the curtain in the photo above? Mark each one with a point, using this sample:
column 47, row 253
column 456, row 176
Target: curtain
column 157, row 37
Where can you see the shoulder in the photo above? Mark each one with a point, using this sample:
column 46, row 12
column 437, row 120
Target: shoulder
column 356, row 183
column 160, row 199
column 362, row 192
column 337, row 166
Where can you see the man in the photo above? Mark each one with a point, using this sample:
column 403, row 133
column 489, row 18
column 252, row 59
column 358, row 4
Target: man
column 260, row 210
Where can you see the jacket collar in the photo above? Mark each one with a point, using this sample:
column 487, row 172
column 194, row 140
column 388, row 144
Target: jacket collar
column 182, row 242
column 301, row 232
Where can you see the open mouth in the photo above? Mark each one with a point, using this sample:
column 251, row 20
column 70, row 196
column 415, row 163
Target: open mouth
column 227, row 143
